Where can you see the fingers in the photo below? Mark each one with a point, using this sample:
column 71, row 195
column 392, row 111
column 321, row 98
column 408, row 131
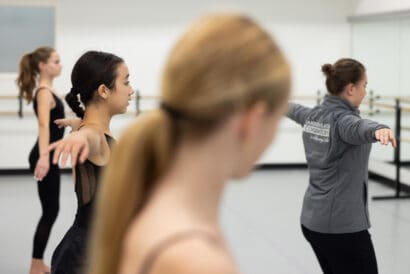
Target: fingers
column 40, row 172
column 74, row 155
column 61, row 123
column 84, row 154
column 57, row 146
column 60, row 150
column 386, row 136
column 65, row 153
column 382, row 136
column 393, row 139
column 79, row 153
column 63, row 150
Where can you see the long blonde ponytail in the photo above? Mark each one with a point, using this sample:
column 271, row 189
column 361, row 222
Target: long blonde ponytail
column 140, row 157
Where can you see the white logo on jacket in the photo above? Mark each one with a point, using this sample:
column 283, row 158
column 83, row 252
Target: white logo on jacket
column 319, row 131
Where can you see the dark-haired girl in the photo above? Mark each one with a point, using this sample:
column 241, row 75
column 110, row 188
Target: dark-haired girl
column 101, row 81
column 337, row 141
column 35, row 81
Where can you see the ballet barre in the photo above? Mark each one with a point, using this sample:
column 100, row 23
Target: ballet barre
column 397, row 151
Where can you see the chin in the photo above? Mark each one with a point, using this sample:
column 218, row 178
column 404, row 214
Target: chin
column 239, row 174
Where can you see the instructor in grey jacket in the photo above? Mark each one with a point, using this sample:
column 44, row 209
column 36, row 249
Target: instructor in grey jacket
column 337, row 141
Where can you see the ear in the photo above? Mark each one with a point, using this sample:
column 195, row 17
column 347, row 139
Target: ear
column 251, row 120
column 41, row 65
column 103, row 91
column 350, row 88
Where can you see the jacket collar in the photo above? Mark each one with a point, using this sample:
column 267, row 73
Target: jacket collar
column 338, row 102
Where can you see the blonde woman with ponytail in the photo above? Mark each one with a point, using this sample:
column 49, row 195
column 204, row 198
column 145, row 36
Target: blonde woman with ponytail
column 224, row 90
column 35, row 82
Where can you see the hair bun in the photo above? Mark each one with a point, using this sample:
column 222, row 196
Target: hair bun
column 327, row 69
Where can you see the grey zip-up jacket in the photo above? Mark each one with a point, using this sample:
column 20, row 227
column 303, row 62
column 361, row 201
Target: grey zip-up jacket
column 337, row 145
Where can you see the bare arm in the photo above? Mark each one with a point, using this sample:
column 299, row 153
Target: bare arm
column 79, row 145
column 44, row 104
column 74, row 123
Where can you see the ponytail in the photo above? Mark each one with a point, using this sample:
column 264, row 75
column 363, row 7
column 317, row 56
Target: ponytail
column 26, row 80
column 74, row 103
column 137, row 162
column 28, row 72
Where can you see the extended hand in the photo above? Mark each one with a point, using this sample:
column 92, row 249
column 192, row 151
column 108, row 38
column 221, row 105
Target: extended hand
column 74, row 145
column 386, row 136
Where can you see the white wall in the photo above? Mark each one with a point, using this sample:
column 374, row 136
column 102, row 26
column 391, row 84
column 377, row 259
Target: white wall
column 381, row 6
column 143, row 33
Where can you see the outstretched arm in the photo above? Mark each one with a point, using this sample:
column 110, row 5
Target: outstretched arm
column 357, row 131
column 74, row 123
column 298, row 113
column 79, row 145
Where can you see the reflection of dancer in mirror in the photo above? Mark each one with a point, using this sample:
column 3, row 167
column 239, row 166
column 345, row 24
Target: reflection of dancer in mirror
column 35, row 81
column 101, row 80
column 224, row 90
column 335, row 218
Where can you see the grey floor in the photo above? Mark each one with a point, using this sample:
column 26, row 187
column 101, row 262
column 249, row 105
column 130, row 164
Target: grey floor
column 260, row 216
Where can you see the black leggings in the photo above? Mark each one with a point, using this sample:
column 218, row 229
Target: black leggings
column 347, row 253
column 49, row 192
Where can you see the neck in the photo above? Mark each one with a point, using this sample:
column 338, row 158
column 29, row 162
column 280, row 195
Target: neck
column 98, row 116
column 345, row 97
column 45, row 81
column 196, row 179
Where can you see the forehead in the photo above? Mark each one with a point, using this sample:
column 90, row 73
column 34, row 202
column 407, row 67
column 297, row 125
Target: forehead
column 54, row 55
column 365, row 76
column 122, row 70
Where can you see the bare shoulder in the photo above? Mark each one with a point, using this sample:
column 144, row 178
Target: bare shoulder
column 44, row 95
column 194, row 255
column 99, row 148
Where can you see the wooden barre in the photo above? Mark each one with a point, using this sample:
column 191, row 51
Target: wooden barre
column 379, row 105
column 404, row 99
column 406, row 109
column 405, row 140
column 147, row 97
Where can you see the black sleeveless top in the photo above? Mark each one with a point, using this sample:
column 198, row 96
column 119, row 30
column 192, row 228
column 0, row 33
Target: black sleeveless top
column 55, row 133
column 87, row 176
column 55, row 113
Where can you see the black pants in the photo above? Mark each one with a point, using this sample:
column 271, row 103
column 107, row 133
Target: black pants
column 49, row 192
column 347, row 253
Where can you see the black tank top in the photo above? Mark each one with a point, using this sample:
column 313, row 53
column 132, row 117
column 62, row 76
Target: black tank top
column 87, row 176
column 55, row 113
column 55, row 133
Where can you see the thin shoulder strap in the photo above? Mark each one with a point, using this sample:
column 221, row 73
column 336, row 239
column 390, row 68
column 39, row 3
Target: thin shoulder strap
column 43, row 87
column 168, row 242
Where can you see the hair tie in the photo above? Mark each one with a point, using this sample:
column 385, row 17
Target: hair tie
column 171, row 111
